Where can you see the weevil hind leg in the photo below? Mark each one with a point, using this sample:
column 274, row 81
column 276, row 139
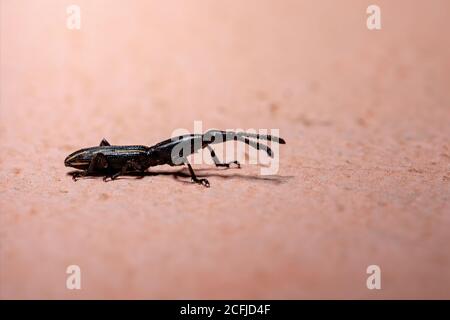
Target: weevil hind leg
column 257, row 145
column 217, row 161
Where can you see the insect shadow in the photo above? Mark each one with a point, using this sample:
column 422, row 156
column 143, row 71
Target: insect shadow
column 184, row 176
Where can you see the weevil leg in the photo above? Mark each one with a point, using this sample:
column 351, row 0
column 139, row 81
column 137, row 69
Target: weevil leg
column 104, row 142
column 130, row 166
column 99, row 161
column 194, row 178
column 78, row 174
column 217, row 161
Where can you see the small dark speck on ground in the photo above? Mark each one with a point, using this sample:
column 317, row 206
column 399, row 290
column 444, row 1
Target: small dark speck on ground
column 104, row 196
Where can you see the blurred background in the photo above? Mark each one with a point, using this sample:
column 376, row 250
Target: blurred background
column 364, row 178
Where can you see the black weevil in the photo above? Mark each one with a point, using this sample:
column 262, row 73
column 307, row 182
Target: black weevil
column 113, row 161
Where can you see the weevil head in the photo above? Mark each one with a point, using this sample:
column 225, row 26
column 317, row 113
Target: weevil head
column 79, row 159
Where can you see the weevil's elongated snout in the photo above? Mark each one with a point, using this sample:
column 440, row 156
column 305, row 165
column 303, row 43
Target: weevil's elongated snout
column 77, row 160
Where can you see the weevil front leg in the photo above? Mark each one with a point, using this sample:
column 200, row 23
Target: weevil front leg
column 221, row 164
column 99, row 161
column 78, row 174
column 194, row 178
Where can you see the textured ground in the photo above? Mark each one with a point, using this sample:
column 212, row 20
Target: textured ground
column 364, row 178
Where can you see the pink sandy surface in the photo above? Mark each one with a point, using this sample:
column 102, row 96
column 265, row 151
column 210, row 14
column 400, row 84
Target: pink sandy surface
column 364, row 178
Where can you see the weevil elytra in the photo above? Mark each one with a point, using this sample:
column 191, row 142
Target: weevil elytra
column 113, row 161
